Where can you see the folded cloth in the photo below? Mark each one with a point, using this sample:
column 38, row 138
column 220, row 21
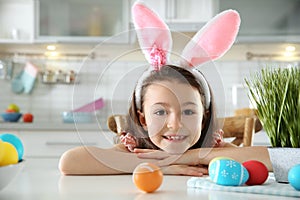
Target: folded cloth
column 17, row 83
column 25, row 80
column 270, row 187
column 29, row 76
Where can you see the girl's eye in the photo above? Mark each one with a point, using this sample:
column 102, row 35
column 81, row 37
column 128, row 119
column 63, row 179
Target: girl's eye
column 188, row 112
column 160, row 112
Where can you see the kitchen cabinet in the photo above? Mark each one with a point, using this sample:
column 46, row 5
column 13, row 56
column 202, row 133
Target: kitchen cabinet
column 16, row 21
column 265, row 20
column 82, row 21
column 185, row 16
column 43, row 21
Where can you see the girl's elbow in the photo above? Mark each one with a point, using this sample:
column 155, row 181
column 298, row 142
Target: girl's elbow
column 67, row 162
column 63, row 164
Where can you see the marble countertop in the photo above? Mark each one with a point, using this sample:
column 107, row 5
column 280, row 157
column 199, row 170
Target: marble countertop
column 41, row 179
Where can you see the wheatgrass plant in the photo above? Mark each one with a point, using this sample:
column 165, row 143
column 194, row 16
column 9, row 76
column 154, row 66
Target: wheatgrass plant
column 276, row 94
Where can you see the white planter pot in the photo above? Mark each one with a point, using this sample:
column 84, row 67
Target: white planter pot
column 283, row 159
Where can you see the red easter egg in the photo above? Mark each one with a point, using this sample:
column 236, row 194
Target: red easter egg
column 258, row 172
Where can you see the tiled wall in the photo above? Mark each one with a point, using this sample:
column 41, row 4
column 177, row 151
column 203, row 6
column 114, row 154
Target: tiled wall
column 115, row 81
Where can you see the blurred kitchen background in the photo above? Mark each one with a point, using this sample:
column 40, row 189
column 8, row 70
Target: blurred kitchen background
column 86, row 50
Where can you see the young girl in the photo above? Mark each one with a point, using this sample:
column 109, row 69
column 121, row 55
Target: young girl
column 161, row 101
column 171, row 119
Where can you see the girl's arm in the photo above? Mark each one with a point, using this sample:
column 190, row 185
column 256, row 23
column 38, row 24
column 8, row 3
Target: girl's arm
column 93, row 160
column 240, row 154
column 203, row 156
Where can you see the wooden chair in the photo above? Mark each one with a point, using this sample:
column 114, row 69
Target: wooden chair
column 117, row 123
column 240, row 127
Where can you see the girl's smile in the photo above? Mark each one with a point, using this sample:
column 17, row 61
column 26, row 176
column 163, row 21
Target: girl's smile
column 174, row 138
column 172, row 115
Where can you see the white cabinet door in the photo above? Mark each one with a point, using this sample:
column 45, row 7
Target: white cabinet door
column 77, row 20
column 273, row 21
column 55, row 143
column 184, row 15
column 16, row 21
column 191, row 10
column 30, row 21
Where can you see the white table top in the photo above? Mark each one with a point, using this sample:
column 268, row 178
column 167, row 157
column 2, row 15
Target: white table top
column 40, row 179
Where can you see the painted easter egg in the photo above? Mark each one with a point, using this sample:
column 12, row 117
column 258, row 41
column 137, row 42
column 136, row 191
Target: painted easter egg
column 220, row 158
column 1, row 150
column 258, row 172
column 294, row 177
column 147, row 177
column 15, row 141
column 10, row 154
column 227, row 172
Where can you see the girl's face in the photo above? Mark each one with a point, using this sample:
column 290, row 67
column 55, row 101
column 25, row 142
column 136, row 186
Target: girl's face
column 172, row 115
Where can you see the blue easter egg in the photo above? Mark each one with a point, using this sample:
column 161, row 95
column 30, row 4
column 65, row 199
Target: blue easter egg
column 294, row 177
column 228, row 172
column 15, row 141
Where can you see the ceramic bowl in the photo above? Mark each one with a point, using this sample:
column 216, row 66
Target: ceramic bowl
column 9, row 172
column 11, row 117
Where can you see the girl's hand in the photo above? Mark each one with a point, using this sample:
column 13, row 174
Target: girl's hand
column 185, row 170
column 163, row 158
column 151, row 154
column 129, row 141
column 165, row 161
column 218, row 138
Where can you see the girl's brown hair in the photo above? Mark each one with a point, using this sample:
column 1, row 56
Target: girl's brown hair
column 180, row 75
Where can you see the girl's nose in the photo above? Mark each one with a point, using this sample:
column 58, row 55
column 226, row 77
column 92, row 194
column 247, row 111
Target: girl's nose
column 174, row 122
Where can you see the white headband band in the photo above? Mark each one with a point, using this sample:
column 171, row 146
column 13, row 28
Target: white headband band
column 199, row 77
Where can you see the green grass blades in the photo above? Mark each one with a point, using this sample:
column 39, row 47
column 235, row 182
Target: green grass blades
column 276, row 94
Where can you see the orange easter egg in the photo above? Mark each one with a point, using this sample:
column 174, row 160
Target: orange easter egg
column 147, row 177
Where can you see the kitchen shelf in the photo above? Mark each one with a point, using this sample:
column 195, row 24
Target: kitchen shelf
column 267, row 38
column 42, row 56
column 36, row 126
column 12, row 41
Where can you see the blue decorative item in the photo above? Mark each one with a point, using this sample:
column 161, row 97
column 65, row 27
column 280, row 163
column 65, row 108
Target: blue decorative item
column 228, row 172
column 294, row 177
column 11, row 117
column 15, row 141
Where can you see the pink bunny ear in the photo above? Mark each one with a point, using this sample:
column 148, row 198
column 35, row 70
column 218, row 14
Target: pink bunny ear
column 153, row 35
column 213, row 40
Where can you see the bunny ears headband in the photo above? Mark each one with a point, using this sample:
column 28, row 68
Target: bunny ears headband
column 210, row 43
